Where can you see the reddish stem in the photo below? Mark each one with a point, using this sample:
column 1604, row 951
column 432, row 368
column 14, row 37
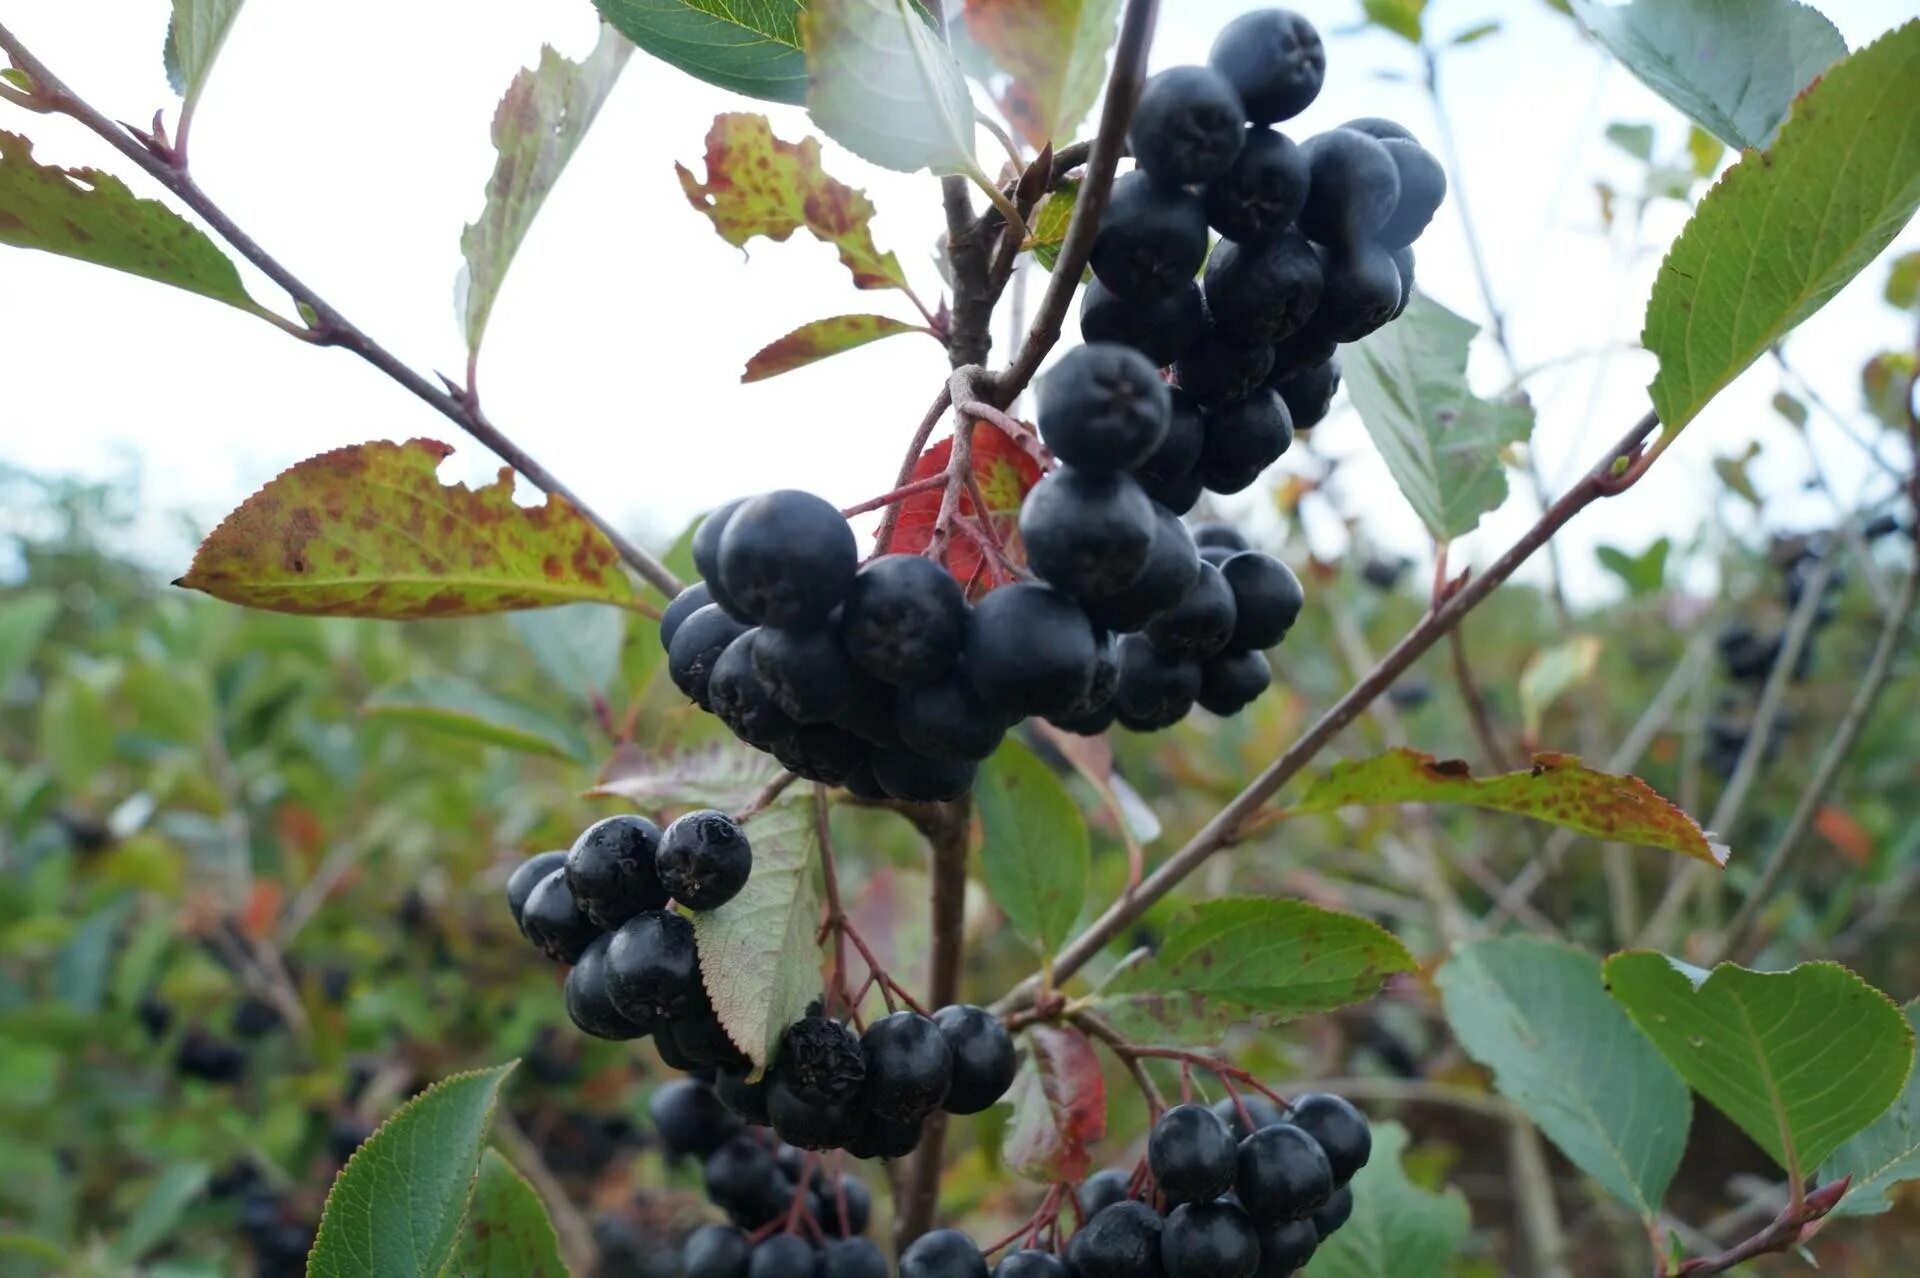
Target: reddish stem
column 897, row 496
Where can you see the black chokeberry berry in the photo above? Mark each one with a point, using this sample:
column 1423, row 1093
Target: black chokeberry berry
column 1192, row 1154
column 748, row 1100
column 821, row 1060
column 1103, row 407
column 909, row 1066
column 821, row 752
column 743, row 1181
column 1379, row 128
column 883, row 1138
column 684, row 605
column 1031, row 1264
column 1257, row 199
column 1286, row 1247
column 787, row 558
column 1094, row 713
column 554, row 921
column 1179, row 450
column 1121, row 1241
column 1030, row 650
column 209, row 1058
column 1179, row 494
column 706, row 555
column 611, row 869
column 808, row 673
column 1244, row 438
column 715, row 1251
column 1173, row 565
column 1232, row 681
column 589, row 1005
column 829, row 1196
column 1201, row 624
column 705, row 859
column 914, row 778
column 703, row 1040
column 1283, row 1174
column 1259, row 295
column 1262, row 1111
column 1217, row 370
column 1188, row 126
column 944, row 1253
column 739, row 698
column 1216, row 534
column 1339, row 1209
column 526, row 876
column 1209, row 1240
column 697, row 645
column 1267, row 599
column 782, row 1256
column 653, row 969
column 1352, row 188
column 1155, row 691
column 905, row 619
column 1275, row 61
column 982, row 1057
column 1312, row 345
column 852, row 1258
column 808, row 1123
column 1403, row 265
column 1160, row 328
column 947, row 720
column 1362, row 291
column 1423, row 188
column 1309, row 394
column 1102, row 1190
column 1340, row 1129
column 691, row 1118
column 1152, row 238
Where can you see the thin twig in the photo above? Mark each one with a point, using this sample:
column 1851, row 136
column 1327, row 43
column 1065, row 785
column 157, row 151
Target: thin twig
column 1476, row 703
column 329, row 326
column 1782, row 1235
column 916, row 446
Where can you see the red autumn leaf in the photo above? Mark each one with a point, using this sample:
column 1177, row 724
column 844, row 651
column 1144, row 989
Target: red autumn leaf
column 1059, row 1107
column 1838, row 827
column 1005, row 475
column 758, row 185
column 262, row 909
column 819, row 339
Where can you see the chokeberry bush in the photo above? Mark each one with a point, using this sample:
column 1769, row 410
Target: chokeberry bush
column 876, row 945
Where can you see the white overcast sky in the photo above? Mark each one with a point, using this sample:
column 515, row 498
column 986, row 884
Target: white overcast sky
column 351, row 139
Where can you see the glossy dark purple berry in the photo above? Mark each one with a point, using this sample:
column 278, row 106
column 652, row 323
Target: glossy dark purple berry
column 909, row 1066
column 705, row 859
column 1032, row 1264
column 1262, row 1111
column 1030, row 650
column 1201, row 624
column 684, row 605
column 914, row 778
column 1155, row 691
column 1423, row 188
column 1102, row 1190
column 1209, row 1240
column 1179, row 450
column 808, row 1123
column 1187, row 126
column 1267, row 599
column 808, row 673
column 882, row 1138
column 851, row 1258
column 1283, row 1174
column 554, row 921
column 1339, row 1209
column 1340, row 1129
column 1362, row 290
column 1258, row 295
column 1286, row 1247
column 943, row 1253
column 691, row 1118
column 1352, row 188
column 1232, row 681
column 1094, row 713
column 821, row 752
column 1243, row 439
column 830, row 1195
column 1152, row 238
column 589, row 1004
column 1160, row 328
column 782, row 1256
column 787, row 558
column 653, row 969
column 715, row 1251
column 1103, row 407
column 1258, row 198
column 1192, row 1154
column 1216, row 534
column 526, row 876
column 739, row 698
column 947, row 720
column 905, row 620
column 1275, row 61
column 1122, row 1241
column 611, row 869
column 1173, row 565
column 1308, row 395
column 697, row 645
column 1217, row 370
column 742, row 1180
column 706, row 555
column 982, row 1056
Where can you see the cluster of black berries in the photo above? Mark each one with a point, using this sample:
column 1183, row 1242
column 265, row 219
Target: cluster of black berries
column 1243, row 1199
column 278, row 1235
column 602, row 906
column 1316, row 248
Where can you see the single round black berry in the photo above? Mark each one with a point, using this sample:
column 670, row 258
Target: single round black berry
column 1160, row 328
column 684, row 605
column 1311, row 345
column 1209, row 1240
column 1423, row 188
column 691, row 1118
column 1286, row 1247
column 1340, row 1129
column 1031, row 1264
column 1257, row 199
column 705, row 859
column 1155, row 691
column 905, row 619
column 1262, row 1111
column 821, row 1060
column 787, row 558
column 852, row 1258
column 828, row 1196
column 1379, row 128
column 1275, row 61
column 1192, row 1154
column 1362, row 290
column 1244, row 438
column 882, row 1138
column 808, row 673
column 1103, row 407
column 1267, row 599
column 914, row 778
column 782, row 1256
column 1352, row 188
column 1283, row 1174
column 1122, row 1241
column 526, row 876
column 739, row 698
column 1173, row 565
column 821, row 752
column 1201, row 625
column 653, row 970
column 1221, row 535
column 1403, row 265
column 1094, row 713
column 982, row 1057
column 1179, row 494
column 554, row 921
column 1030, row 650
column 947, row 720
column 1179, row 450
column 1232, row 681
column 589, row 1005
column 1102, row 1190
column 1309, row 394
column 1188, row 126
column 706, row 556
column 1152, row 238
column 703, row 1040
column 1258, row 295
column 697, row 645
column 1339, row 1209
column 1217, row 370
column 944, row 1253
column 611, row 869
column 743, row 1181
column 715, row 1251
column 808, row 1123
column 909, row 1066
column 748, row 1100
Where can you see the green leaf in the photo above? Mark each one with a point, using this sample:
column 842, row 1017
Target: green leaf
column 1055, row 55
column 1635, row 139
column 1178, row 1018
column 1402, row 17
column 577, row 647
column 1903, row 282
column 1883, row 1155
column 395, row 1209
column 1441, row 442
column 883, row 84
column 724, row 774
column 462, row 708
column 760, row 953
column 75, row 732
column 194, row 35
column 1733, row 65
column 1704, row 150
column 92, row 216
column 86, row 961
column 1557, row 789
column 507, row 1230
column 1553, row 672
column 1644, row 573
column 1476, row 33
column 748, row 46
column 1537, row 1014
column 25, row 619
column 154, row 1220
column 1799, row 1060
column 1781, row 232
column 1059, row 1101
column 820, row 339
column 1279, row 958
column 1050, row 222
column 370, row 531
column 539, row 124
column 1397, row 1230
column 1036, row 850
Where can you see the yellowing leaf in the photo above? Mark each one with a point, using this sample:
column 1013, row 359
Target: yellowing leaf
column 1056, row 53
column 818, row 340
column 1050, row 222
column 758, row 185
column 370, row 531
column 1558, row 789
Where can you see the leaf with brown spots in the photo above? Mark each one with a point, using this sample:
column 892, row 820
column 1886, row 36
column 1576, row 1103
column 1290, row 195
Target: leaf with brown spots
column 821, row 338
column 1005, row 474
column 370, row 531
column 758, row 185
column 1059, row 1107
column 1557, row 789
column 92, row 216
column 1056, row 53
